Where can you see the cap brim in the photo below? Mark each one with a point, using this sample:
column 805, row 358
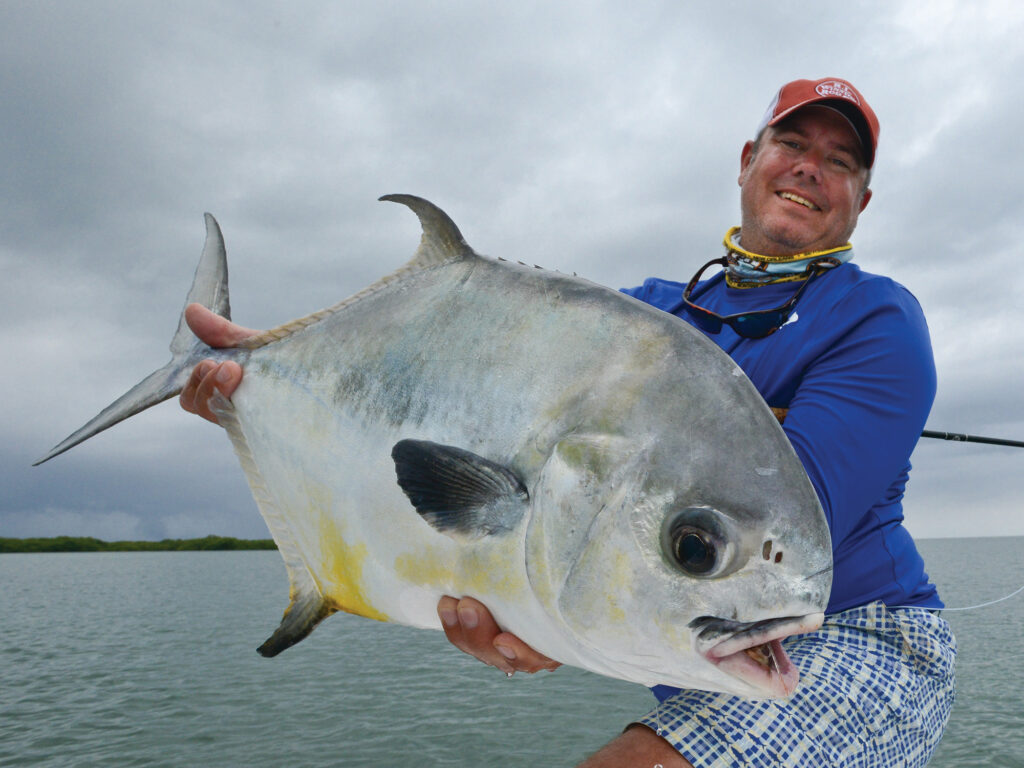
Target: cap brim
column 853, row 116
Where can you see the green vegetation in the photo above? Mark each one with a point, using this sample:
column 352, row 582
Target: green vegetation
column 89, row 544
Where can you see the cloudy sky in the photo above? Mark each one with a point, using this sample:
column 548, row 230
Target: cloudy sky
column 580, row 136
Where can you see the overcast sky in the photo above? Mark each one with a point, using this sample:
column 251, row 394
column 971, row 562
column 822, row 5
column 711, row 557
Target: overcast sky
column 600, row 138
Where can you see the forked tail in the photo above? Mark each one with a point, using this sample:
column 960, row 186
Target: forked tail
column 209, row 288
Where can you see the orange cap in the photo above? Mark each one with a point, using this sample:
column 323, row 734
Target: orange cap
column 827, row 92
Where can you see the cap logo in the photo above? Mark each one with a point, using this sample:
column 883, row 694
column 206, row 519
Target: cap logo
column 835, row 89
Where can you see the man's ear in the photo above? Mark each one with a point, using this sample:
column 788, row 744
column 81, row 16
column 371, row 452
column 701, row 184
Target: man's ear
column 746, row 157
column 865, row 199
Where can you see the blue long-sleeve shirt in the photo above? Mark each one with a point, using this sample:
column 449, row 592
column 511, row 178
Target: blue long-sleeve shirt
column 854, row 367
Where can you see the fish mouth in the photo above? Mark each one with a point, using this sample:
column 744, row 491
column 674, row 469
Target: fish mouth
column 752, row 651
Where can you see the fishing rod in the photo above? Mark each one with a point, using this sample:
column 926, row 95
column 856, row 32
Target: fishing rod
column 960, row 438
column 971, row 438
column 780, row 414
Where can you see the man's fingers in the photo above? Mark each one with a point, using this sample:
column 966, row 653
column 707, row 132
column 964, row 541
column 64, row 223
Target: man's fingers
column 206, row 377
column 188, row 393
column 448, row 611
column 469, row 626
column 224, row 377
column 204, row 392
column 521, row 656
column 478, row 632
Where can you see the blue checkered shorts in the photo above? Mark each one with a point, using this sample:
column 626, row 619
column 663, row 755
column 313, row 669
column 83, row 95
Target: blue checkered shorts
column 876, row 688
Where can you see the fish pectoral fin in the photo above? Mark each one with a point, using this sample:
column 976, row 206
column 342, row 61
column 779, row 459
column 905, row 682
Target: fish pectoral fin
column 306, row 610
column 457, row 491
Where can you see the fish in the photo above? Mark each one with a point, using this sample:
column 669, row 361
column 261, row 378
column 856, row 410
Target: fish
column 594, row 470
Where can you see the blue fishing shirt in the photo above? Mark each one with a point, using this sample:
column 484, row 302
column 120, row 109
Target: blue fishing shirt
column 854, row 367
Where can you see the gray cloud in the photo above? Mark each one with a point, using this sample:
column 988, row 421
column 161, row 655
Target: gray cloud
column 584, row 137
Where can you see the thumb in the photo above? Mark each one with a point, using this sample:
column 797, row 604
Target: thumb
column 214, row 330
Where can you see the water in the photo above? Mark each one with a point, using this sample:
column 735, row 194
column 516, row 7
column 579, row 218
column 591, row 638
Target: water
column 149, row 659
column 985, row 727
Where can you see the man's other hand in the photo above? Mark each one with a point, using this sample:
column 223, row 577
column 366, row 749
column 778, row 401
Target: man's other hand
column 469, row 626
column 215, row 331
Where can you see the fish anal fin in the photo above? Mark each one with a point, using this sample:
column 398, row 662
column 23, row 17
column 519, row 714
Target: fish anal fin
column 308, row 607
column 457, row 491
column 300, row 618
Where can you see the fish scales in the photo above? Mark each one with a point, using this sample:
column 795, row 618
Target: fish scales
column 596, row 472
column 461, row 364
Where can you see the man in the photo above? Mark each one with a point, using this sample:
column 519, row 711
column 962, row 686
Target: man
column 844, row 359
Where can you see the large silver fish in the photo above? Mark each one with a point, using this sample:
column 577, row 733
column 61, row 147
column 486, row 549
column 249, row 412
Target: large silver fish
column 605, row 479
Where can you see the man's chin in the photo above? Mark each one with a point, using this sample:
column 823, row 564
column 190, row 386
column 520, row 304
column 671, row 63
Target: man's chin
column 782, row 241
column 791, row 233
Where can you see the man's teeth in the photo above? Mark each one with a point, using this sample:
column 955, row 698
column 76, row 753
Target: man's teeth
column 797, row 199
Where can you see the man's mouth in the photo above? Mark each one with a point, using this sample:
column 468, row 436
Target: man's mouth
column 799, row 200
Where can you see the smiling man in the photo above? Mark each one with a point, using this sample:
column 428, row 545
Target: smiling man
column 844, row 359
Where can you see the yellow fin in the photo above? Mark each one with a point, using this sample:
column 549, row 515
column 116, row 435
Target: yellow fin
column 307, row 607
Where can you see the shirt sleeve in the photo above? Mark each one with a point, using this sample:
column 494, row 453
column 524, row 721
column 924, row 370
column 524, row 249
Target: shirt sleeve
column 861, row 405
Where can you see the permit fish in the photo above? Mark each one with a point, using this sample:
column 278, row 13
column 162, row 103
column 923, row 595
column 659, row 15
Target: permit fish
column 600, row 475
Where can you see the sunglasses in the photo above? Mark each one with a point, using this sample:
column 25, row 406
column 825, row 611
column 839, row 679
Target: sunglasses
column 751, row 325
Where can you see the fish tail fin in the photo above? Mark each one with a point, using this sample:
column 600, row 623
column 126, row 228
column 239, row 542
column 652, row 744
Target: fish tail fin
column 209, row 288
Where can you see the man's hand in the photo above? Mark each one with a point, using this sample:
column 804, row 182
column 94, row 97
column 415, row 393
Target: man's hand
column 215, row 331
column 469, row 626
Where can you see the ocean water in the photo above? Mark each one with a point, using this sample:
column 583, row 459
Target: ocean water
column 148, row 659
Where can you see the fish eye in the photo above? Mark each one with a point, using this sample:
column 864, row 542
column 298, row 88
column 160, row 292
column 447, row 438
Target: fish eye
column 693, row 551
column 692, row 542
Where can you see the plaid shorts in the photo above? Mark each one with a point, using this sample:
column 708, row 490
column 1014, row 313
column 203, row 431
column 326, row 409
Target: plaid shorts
column 876, row 688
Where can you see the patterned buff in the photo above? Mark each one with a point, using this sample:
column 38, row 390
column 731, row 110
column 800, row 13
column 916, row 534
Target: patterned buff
column 750, row 270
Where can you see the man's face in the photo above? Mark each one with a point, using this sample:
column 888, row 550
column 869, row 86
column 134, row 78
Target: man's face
column 803, row 188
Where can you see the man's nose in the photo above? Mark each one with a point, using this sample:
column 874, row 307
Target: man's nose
column 808, row 166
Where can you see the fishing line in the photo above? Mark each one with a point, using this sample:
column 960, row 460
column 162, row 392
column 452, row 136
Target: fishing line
column 969, row 607
column 990, row 602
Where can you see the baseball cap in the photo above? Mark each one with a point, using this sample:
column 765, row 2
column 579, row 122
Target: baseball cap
column 828, row 92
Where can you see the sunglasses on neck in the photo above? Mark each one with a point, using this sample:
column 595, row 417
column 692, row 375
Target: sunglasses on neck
column 756, row 324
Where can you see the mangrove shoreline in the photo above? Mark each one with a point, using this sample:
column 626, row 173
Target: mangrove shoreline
column 89, row 544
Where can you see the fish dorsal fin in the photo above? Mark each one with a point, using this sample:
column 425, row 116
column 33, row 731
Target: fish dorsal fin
column 441, row 241
column 457, row 491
